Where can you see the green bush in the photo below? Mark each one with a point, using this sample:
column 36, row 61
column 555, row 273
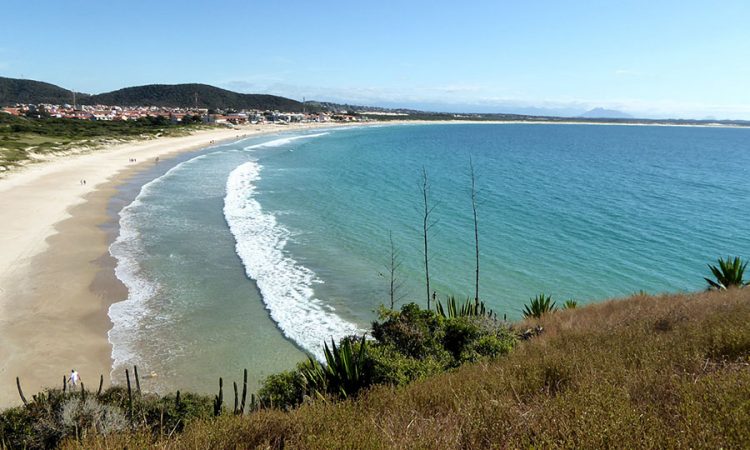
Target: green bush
column 283, row 390
column 409, row 344
column 387, row 365
column 413, row 331
column 488, row 346
column 17, row 429
column 459, row 333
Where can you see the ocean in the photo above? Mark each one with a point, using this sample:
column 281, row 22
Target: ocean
column 251, row 254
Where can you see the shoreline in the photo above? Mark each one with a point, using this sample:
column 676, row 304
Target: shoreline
column 57, row 278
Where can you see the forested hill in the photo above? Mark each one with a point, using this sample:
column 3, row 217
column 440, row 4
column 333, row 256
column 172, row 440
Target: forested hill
column 185, row 95
column 13, row 90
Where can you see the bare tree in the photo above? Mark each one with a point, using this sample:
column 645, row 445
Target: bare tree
column 427, row 223
column 476, row 226
column 394, row 284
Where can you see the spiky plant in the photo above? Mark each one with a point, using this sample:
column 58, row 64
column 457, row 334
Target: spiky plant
column 470, row 308
column 538, row 306
column 570, row 304
column 729, row 273
column 343, row 373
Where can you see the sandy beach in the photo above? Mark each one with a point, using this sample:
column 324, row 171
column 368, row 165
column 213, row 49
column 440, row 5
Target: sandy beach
column 56, row 278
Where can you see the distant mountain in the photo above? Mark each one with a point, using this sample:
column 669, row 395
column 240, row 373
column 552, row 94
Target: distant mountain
column 13, row 90
column 601, row 113
column 185, row 95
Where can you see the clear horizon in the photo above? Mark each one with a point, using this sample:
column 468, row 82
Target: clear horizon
column 648, row 59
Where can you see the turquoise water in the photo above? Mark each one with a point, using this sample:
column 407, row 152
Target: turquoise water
column 254, row 252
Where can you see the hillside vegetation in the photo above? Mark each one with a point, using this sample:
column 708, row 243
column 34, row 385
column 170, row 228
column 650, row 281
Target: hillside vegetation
column 184, row 95
column 13, row 90
column 671, row 371
column 24, row 139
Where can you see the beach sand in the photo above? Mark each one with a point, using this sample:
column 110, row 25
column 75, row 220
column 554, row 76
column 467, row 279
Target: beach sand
column 56, row 276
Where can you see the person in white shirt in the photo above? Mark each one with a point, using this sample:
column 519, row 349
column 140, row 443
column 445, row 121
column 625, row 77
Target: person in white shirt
column 74, row 378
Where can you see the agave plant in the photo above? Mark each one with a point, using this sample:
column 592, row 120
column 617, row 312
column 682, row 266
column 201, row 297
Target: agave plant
column 470, row 308
column 570, row 304
column 729, row 273
column 538, row 306
column 343, row 372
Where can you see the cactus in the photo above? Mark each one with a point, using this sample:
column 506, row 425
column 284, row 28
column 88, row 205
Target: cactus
column 236, row 398
column 137, row 380
column 83, row 393
column 65, row 384
column 20, row 392
column 130, row 395
column 244, row 392
column 177, row 403
column 219, row 399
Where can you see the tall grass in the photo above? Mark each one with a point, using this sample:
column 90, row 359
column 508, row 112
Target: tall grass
column 645, row 372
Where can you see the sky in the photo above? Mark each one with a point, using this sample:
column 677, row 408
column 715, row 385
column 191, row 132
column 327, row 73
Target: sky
column 657, row 59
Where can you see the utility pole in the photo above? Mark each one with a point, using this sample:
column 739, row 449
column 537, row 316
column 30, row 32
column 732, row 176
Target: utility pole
column 196, row 100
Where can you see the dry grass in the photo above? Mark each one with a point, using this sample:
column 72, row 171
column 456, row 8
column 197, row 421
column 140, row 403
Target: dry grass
column 644, row 372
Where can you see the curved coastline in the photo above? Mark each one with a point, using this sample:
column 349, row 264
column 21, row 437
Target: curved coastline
column 57, row 278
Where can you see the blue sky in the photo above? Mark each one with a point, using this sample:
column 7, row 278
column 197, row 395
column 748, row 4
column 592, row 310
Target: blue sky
column 648, row 58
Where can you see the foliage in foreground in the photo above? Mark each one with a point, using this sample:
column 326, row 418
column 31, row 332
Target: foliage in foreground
column 54, row 415
column 538, row 306
column 729, row 273
column 408, row 345
column 646, row 372
column 469, row 308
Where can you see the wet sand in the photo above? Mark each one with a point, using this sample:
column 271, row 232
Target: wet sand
column 56, row 276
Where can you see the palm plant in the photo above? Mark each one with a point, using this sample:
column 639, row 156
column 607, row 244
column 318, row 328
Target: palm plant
column 470, row 308
column 538, row 306
column 729, row 273
column 343, row 372
column 570, row 304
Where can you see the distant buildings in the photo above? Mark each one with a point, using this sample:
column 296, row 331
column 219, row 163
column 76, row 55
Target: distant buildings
column 175, row 115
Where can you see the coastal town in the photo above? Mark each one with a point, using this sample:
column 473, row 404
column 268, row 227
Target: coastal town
column 177, row 115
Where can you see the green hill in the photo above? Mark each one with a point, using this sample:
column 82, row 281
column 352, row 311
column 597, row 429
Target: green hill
column 13, row 90
column 184, row 95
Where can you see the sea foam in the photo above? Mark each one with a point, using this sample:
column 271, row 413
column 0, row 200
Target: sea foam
column 285, row 285
column 283, row 141
column 128, row 249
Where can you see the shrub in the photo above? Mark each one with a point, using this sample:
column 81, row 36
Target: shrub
column 283, row 390
column 387, row 365
column 730, row 273
column 538, row 306
column 459, row 332
column 489, row 346
column 413, row 331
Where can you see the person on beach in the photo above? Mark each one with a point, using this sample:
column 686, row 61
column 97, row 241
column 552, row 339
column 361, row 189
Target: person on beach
column 74, row 378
